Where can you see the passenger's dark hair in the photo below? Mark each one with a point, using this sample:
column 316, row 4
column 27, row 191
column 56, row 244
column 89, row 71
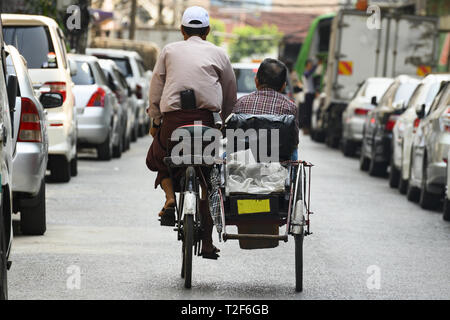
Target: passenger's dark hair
column 272, row 74
column 195, row 31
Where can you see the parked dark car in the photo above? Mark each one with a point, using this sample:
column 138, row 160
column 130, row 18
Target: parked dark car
column 377, row 133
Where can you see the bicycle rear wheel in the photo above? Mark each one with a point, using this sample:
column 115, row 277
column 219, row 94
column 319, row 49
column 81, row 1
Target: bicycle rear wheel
column 188, row 228
column 188, row 245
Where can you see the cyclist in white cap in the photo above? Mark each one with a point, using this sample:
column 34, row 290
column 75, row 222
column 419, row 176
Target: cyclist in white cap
column 202, row 72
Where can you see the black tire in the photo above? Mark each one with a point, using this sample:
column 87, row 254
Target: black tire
column 364, row 162
column 446, row 215
column 117, row 150
column 33, row 218
column 332, row 141
column 60, row 170
column 413, row 193
column 74, row 166
column 104, row 151
column 403, row 186
column 377, row 169
column 394, row 176
column 3, row 260
column 134, row 134
column 348, row 148
column 298, row 263
column 188, row 229
column 127, row 143
column 428, row 200
column 182, row 261
column 141, row 130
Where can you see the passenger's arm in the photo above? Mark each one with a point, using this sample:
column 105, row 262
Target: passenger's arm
column 229, row 90
column 156, row 88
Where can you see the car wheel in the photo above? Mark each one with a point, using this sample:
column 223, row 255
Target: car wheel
column 376, row 169
column 117, row 150
column 104, row 151
column 446, row 215
column 427, row 200
column 141, row 130
column 60, row 170
column 3, row 260
column 394, row 175
column 134, row 133
column 348, row 148
column 74, row 166
column 403, row 185
column 33, row 218
column 413, row 193
column 364, row 161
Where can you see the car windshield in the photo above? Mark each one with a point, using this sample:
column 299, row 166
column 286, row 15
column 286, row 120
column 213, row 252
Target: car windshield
column 405, row 92
column 375, row 89
column 245, row 79
column 124, row 66
column 84, row 74
column 34, row 44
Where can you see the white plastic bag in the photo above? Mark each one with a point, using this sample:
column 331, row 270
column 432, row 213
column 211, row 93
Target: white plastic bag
column 252, row 177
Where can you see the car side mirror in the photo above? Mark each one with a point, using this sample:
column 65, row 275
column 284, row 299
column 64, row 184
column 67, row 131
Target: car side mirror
column 374, row 101
column 420, row 111
column 51, row 100
column 12, row 91
column 73, row 68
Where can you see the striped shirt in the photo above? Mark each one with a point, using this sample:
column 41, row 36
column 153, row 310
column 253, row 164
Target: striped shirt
column 266, row 101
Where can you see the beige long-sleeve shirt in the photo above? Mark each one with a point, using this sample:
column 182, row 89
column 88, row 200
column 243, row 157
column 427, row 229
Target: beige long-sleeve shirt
column 192, row 64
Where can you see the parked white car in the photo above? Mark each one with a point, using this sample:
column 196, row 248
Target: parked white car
column 30, row 149
column 7, row 104
column 40, row 40
column 132, row 66
column 355, row 113
column 98, row 112
column 430, row 148
column 405, row 127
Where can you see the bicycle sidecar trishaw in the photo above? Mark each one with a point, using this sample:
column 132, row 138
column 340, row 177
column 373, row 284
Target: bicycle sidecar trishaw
column 257, row 197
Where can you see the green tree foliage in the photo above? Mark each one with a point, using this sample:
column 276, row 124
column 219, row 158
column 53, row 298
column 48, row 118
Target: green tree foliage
column 253, row 41
column 216, row 25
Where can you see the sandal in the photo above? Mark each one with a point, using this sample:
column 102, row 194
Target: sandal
column 210, row 255
column 167, row 217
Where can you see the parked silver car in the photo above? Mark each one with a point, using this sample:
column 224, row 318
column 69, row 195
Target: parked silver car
column 30, row 149
column 355, row 113
column 429, row 152
column 405, row 127
column 132, row 66
column 97, row 109
column 118, row 84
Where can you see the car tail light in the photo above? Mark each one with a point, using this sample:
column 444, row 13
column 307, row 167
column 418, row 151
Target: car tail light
column 97, row 99
column 416, row 123
column 391, row 122
column 59, row 87
column 139, row 91
column 30, row 125
column 361, row 111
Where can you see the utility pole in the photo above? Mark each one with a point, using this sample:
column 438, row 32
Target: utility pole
column 132, row 29
column 160, row 21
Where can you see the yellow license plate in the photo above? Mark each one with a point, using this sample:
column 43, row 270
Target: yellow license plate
column 246, row 206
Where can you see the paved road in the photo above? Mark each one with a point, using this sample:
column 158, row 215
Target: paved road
column 103, row 224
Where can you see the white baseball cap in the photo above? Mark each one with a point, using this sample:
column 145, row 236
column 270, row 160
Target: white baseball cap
column 195, row 13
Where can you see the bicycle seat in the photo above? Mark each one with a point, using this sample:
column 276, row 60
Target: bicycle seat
column 194, row 129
